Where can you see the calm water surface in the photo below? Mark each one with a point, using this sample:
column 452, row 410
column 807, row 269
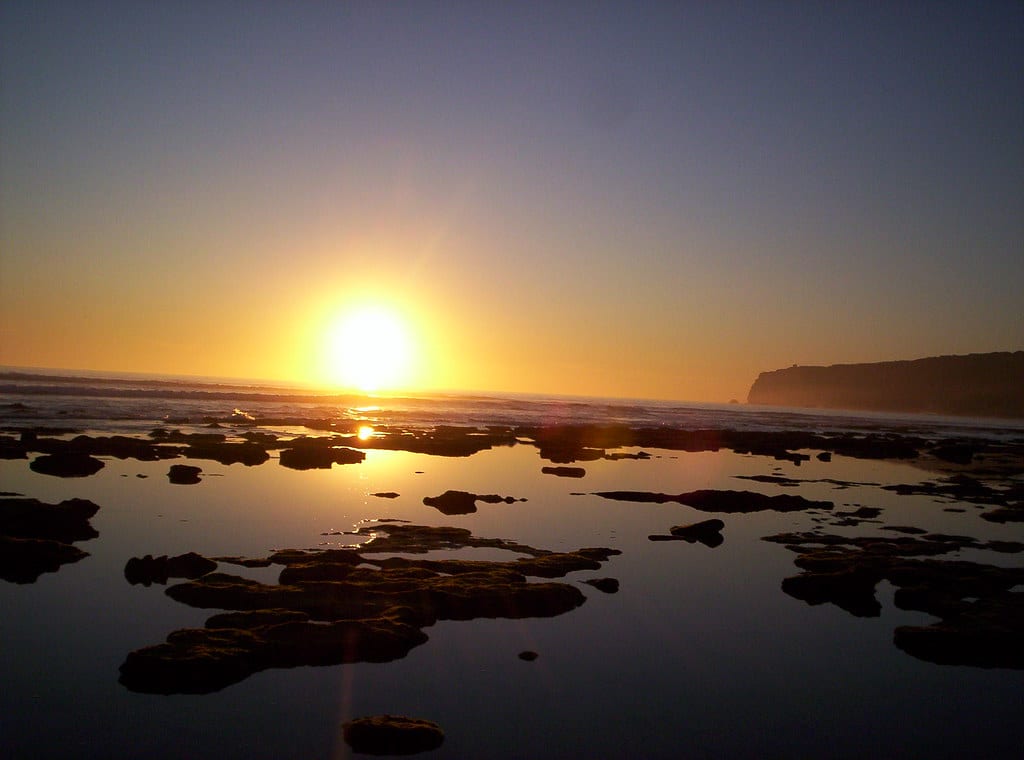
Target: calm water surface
column 699, row 654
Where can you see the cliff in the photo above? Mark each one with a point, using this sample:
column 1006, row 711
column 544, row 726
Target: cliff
column 981, row 385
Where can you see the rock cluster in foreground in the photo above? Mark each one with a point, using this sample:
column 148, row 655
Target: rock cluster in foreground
column 344, row 605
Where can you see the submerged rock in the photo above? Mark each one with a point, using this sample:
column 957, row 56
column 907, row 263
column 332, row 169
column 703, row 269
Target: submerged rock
column 392, row 735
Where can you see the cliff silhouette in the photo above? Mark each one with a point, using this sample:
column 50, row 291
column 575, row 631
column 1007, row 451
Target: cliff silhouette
column 977, row 385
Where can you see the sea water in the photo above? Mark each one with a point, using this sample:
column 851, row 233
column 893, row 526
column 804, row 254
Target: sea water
column 699, row 654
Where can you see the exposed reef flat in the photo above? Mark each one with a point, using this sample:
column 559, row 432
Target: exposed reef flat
column 559, row 444
column 982, row 617
column 37, row 538
column 343, row 605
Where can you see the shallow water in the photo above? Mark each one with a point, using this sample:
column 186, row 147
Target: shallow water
column 699, row 654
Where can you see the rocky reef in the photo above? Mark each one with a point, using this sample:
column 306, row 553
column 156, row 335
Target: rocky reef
column 344, row 605
column 981, row 615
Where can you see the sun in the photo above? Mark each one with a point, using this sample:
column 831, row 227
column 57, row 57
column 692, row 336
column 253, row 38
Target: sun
column 369, row 348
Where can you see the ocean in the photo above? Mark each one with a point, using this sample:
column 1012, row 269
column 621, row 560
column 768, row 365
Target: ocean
column 726, row 643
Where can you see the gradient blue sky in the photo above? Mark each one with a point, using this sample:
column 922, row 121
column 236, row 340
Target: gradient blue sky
column 631, row 199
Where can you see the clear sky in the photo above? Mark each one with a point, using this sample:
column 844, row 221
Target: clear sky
column 631, row 199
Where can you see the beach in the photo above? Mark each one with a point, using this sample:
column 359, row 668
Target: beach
column 616, row 578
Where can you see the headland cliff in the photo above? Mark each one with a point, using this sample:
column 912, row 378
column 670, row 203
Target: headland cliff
column 980, row 385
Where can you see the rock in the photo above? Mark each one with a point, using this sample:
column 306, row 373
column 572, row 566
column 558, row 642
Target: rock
column 36, row 538
column 707, row 532
column 982, row 617
column 722, row 501
column 184, row 474
column 392, row 735
column 463, row 502
column 65, row 522
column 23, row 560
column 528, row 656
column 564, row 472
column 345, row 605
column 607, row 585
column 66, row 465
column 321, row 458
column 149, row 569
column 386, row 495
column 249, row 454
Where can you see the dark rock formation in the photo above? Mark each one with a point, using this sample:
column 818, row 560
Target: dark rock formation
column 982, row 618
column 344, row 605
column 23, row 560
column 986, row 385
column 722, row 501
column 150, row 569
column 707, row 532
column 184, row 474
column 392, row 735
column 36, row 538
column 564, row 472
column 66, row 465
column 463, row 502
column 607, row 585
column 249, row 454
column 528, row 656
column 386, row 494
column 319, row 457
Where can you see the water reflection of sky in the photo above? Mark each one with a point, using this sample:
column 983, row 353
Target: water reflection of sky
column 700, row 648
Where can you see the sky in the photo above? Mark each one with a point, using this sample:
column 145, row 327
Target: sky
column 643, row 200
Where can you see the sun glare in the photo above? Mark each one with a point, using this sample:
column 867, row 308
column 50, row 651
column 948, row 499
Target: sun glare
column 369, row 349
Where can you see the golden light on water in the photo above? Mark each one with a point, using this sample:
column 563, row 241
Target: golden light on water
column 369, row 348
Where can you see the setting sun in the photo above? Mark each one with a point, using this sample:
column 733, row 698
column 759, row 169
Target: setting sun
column 369, row 349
